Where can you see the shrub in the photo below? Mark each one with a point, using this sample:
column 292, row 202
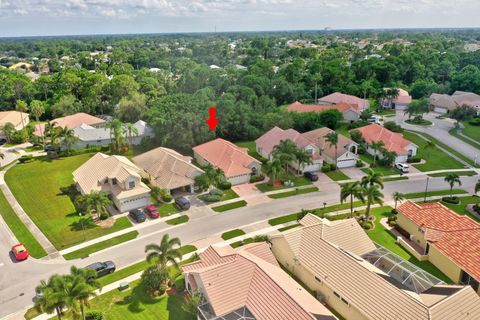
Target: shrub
column 392, row 126
column 180, row 283
column 216, row 192
column 414, row 160
column 166, row 197
column 357, row 124
column 258, row 178
column 452, row 200
column 210, row 198
column 475, row 122
column 392, row 223
column 392, row 218
column 25, row 158
column 224, row 185
column 359, row 164
column 104, row 216
column 152, row 279
column 367, row 225
column 326, row 167
column 476, row 208
column 361, row 149
column 93, row 315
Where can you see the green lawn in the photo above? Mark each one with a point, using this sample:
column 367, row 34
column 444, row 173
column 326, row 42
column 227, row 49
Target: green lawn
column 383, row 237
column 423, row 122
column 460, row 173
column 179, row 220
column 337, row 175
column 343, row 130
column 297, row 182
column 230, row 206
column 229, row 194
column 454, row 133
column 41, row 187
column 293, row 193
column 435, row 158
column 471, row 131
column 85, row 252
column 167, row 209
column 20, row 231
column 386, row 171
column 395, row 179
column 433, row 193
column 241, row 242
column 289, row 227
column 252, row 150
column 232, row 234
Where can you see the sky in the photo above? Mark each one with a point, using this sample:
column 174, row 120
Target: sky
column 73, row 17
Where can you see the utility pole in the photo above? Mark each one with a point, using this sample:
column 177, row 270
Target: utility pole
column 426, row 188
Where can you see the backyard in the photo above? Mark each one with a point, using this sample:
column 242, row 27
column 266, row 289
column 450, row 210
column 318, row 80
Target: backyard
column 42, row 188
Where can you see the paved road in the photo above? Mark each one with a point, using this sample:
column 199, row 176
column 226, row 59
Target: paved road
column 18, row 280
column 439, row 130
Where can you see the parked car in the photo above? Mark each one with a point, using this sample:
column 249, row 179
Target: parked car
column 137, row 215
column 152, row 211
column 182, row 203
column 403, row 167
column 311, row 176
column 102, row 268
column 20, row 252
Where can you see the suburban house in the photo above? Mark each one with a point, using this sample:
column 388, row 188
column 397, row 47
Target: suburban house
column 89, row 135
column 444, row 103
column 71, row 122
column 347, row 271
column 400, row 102
column 350, row 112
column 337, row 98
column 234, row 161
column 168, row 169
column 18, row 119
column 265, row 145
column 448, row 240
column 115, row 175
column 346, row 153
column 248, row 284
column 393, row 141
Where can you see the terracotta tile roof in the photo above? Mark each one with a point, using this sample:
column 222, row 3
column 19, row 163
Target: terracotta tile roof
column 342, row 107
column 455, row 235
column 233, row 160
column 330, row 250
column 230, row 279
column 71, row 122
column 318, row 137
column 274, row 136
column 338, row 97
column 168, row 168
column 13, row 117
column 394, row 141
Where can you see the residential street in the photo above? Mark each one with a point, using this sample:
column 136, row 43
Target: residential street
column 18, row 280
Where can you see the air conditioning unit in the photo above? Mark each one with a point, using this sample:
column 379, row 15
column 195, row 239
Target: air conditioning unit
column 412, row 237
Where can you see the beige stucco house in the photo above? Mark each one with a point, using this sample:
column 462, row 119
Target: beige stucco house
column 18, row 119
column 115, row 175
column 361, row 280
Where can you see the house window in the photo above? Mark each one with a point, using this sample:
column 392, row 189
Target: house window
column 131, row 184
column 336, row 294
column 114, row 181
column 318, row 279
column 310, row 151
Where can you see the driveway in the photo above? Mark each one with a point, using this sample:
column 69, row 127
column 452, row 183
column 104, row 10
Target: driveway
column 353, row 172
column 251, row 194
column 439, row 130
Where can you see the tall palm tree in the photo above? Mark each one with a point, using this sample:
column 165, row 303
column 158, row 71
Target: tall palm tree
column 164, row 253
column 477, row 186
column 352, row 190
column 285, row 151
column 391, row 94
column 214, row 175
column 397, row 196
column 8, row 131
column 68, row 138
column 115, row 127
column 372, row 195
column 332, row 139
column 303, row 158
column 37, row 110
column 376, row 146
column 96, row 201
column 78, row 294
column 130, row 131
column 452, row 179
column 52, row 298
column 84, row 292
column 372, row 178
column 52, row 130
column 272, row 169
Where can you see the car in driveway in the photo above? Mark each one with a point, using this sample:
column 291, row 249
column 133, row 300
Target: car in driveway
column 152, row 211
column 20, row 252
column 311, row 176
column 102, row 268
column 182, row 203
column 137, row 215
column 403, row 167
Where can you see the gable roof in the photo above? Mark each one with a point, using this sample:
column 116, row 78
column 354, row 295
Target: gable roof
column 250, row 277
column 338, row 97
column 85, row 132
column 274, row 136
column 394, row 141
column 455, row 235
column 466, row 98
column 71, row 122
column 342, row 107
column 318, row 137
column 13, row 117
column 403, row 96
column 168, row 168
column 233, row 160
column 332, row 251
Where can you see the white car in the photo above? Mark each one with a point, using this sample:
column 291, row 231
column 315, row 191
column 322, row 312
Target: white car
column 402, row 167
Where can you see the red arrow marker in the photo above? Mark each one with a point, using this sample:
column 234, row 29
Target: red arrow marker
column 212, row 121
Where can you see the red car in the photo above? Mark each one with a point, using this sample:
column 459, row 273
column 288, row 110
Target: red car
column 152, row 212
column 20, row 252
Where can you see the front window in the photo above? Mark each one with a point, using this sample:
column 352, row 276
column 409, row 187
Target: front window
column 131, row 184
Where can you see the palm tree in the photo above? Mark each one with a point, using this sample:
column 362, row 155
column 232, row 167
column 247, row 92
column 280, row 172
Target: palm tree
column 452, row 179
column 477, row 186
column 191, row 303
column 83, row 293
column 391, row 94
column 352, row 190
column 8, row 131
column 37, row 110
column 68, row 138
column 22, row 106
column 332, row 139
column 303, row 158
column 52, row 298
column 214, row 176
column 372, row 195
column 130, row 131
column 52, row 130
column 372, row 178
column 376, row 146
column 397, row 196
column 96, row 201
column 272, row 169
column 115, row 127
column 285, row 151
column 164, row 253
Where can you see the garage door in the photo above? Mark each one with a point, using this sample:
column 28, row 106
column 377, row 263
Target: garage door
column 345, row 163
column 440, row 110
